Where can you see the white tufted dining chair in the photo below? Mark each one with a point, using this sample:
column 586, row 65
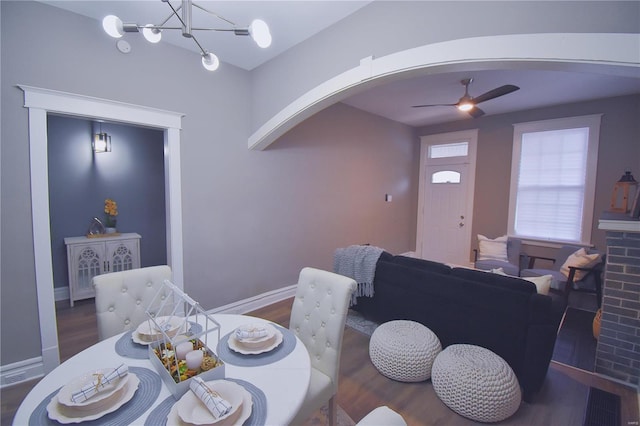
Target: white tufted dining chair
column 382, row 416
column 318, row 317
column 123, row 297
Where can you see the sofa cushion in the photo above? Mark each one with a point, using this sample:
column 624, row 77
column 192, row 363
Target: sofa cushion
column 542, row 283
column 488, row 278
column 425, row 265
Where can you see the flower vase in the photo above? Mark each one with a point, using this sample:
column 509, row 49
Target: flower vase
column 110, row 230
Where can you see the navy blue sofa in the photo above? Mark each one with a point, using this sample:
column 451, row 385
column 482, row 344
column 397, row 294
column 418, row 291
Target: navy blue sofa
column 460, row 305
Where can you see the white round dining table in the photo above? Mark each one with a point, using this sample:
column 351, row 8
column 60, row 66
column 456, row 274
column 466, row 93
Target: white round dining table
column 284, row 382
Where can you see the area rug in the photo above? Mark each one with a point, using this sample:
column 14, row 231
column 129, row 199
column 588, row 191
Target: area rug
column 575, row 344
column 358, row 322
column 321, row 418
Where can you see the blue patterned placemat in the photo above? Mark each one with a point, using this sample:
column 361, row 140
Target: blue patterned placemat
column 158, row 417
column 232, row 357
column 126, row 347
column 146, row 394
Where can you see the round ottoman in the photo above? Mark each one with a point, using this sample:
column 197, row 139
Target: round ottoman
column 404, row 350
column 476, row 383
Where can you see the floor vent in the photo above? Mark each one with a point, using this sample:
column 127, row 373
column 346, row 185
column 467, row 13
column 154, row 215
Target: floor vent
column 603, row 409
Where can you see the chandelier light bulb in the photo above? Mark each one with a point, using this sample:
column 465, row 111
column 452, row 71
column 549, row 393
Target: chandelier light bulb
column 260, row 33
column 153, row 35
column 210, row 61
column 112, row 25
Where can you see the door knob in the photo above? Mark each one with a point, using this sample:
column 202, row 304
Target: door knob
column 461, row 224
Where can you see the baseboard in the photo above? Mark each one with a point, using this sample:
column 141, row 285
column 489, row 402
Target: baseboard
column 61, row 293
column 33, row 368
column 256, row 302
column 21, row 371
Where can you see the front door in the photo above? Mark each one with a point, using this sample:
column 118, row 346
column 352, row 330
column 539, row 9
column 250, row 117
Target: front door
column 447, row 170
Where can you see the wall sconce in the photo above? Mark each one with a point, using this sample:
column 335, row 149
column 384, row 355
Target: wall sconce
column 101, row 142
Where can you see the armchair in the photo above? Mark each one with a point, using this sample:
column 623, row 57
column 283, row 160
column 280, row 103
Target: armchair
column 577, row 275
column 515, row 261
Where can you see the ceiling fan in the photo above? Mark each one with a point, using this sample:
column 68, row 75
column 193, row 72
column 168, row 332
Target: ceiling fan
column 469, row 104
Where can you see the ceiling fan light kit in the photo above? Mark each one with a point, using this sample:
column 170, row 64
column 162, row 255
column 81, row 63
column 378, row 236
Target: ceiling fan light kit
column 258, row 29
column 469, row 104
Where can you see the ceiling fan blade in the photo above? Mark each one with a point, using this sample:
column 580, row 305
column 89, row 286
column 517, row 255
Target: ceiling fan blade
column 475, row 112
column 432, row 105
column 497, row 92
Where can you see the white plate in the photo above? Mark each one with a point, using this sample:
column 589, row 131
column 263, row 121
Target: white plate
column 247, row 406
column 63, row 414
column 144, row 340
column 258, row 342
column 238, row 347
column 148, row 331
column 64, row 395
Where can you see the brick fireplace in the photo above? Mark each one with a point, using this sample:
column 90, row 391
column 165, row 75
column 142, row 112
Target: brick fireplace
column 618, row 350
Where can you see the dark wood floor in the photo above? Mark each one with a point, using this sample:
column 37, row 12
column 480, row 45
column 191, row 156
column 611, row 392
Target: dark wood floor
column 562, row 401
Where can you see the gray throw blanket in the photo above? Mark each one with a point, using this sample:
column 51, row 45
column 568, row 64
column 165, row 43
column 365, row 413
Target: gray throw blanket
column 359, row 263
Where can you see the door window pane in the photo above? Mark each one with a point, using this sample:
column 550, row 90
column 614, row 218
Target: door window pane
column 458, row 149
column 445, row 176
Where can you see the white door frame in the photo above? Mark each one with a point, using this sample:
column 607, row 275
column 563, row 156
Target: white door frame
column 442, row 138
column 40, row 102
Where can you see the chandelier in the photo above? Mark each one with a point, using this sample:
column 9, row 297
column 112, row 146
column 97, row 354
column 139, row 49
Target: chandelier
column 258, row 29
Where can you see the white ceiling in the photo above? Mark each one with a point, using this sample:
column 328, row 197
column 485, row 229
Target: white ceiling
column 291, row 22
column 537, row 89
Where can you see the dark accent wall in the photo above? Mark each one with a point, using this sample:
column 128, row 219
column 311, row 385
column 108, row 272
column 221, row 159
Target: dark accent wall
column 79, row 181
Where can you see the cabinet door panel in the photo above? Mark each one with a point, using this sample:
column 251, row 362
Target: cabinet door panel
column 122, row 255
column 89, row 262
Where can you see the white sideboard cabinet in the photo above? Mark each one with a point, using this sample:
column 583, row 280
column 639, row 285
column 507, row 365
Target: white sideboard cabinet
column 88, row 257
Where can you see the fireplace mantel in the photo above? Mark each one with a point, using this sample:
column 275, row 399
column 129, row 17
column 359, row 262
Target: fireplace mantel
column 620, row 222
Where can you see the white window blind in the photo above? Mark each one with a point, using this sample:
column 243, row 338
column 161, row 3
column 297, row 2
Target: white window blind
column 553, row 179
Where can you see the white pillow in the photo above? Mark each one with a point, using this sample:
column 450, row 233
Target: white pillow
column 492, row 249
column 580, row 259
column 542, row 283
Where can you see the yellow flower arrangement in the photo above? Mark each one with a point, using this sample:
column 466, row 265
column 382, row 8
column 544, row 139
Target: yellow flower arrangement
column 111, row 209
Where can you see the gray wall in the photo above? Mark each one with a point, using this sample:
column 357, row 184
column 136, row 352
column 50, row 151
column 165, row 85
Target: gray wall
column 618, row 150
column 79, row 181
column 251, row 219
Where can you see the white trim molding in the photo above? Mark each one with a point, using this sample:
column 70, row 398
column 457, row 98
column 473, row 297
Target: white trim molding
column 40, row 102
column 256, row 302
column 606, row 53
column 21, row 371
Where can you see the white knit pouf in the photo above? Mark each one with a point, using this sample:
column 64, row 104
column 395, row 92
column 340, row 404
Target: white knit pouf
column 476, row 383
column 404, row 350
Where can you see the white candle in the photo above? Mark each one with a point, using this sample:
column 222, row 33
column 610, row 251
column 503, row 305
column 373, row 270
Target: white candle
column 182, row 349
column 194, row 359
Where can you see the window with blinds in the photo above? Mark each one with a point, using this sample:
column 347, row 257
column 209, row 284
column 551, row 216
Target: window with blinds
column 553, row 179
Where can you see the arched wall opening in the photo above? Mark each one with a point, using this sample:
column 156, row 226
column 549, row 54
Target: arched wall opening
column 612, row 54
